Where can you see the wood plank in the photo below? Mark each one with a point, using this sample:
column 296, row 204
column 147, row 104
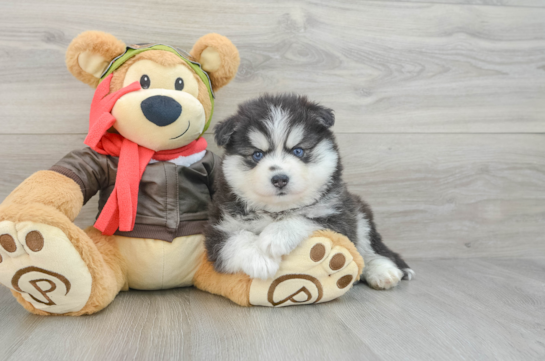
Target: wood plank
column 517, row 3
column 483, row 309
column 434, row 195
column 382, row 66
column 452, row 195
column 273, row 335
column 475, row 310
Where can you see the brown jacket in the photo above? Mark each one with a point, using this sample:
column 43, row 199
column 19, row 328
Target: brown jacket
column 172, row 200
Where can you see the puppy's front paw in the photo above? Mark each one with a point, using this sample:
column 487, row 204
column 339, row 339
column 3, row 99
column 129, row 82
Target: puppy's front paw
column 241, row 253
column 261, row 267
column 276, row 244
column 382, row 274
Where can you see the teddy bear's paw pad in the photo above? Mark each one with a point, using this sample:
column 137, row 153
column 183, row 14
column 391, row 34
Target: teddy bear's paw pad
column 315, row 272
column 40, row 262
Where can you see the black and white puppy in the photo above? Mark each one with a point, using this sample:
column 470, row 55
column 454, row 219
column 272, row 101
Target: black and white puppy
column 280, row 180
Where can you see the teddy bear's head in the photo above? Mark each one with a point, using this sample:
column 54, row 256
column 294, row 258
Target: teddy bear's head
column 176, row 99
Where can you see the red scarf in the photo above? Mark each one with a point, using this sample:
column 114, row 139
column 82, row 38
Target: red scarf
column 120, row 209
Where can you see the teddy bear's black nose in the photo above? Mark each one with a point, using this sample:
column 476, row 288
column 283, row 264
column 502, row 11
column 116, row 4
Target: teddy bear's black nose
column 161, row 110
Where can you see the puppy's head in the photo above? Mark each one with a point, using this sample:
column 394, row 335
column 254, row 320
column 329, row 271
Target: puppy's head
column 279, row 152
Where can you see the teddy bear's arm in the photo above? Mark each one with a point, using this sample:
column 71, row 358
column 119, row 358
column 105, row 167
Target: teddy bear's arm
column 48, row 188
column 65, row 187
column 90, row 170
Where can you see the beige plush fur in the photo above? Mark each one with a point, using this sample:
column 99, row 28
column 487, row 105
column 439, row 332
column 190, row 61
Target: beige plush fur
column 108, row 47
column 100, row 255
column 230, row 59
column 235, row 287
column 97, row 42
column 339, row 240
column 50, row 189
column 164, row 58
column 50, row 198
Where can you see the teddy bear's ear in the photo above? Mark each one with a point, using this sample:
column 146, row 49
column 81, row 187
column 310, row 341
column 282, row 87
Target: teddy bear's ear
column 89, row 54
column 218, row 57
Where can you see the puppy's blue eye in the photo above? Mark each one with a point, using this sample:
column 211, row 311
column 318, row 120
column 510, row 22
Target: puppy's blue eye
column 257, row 156
column 298, row 152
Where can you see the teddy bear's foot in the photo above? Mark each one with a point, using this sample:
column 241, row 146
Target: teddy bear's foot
column 39, row 262
column 322, row 268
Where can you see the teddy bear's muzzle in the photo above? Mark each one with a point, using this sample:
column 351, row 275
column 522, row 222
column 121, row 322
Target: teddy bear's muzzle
column 161, row 110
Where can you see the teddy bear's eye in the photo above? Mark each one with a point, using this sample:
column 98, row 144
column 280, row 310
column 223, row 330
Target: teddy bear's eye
column 144, row 81
column 179, row 84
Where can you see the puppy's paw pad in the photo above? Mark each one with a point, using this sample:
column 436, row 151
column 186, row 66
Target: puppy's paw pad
column 40, row 262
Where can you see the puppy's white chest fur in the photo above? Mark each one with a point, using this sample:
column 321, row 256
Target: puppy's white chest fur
column 235, row 223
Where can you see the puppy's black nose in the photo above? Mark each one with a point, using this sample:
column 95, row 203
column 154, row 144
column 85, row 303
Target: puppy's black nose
column 280, row 180
column 161, row 110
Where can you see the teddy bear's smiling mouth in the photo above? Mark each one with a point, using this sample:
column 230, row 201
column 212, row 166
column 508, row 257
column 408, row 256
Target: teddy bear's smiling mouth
column 188, row 125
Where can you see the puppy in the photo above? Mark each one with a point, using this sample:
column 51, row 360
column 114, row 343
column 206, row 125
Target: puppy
column 279, row 181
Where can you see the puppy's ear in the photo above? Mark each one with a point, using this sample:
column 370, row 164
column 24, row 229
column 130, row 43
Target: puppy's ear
column 89, row 54
column 224, row 130
column 218, row 57
column 322, row 114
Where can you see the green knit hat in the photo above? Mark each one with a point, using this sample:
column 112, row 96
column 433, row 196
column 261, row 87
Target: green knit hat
column 133, row 50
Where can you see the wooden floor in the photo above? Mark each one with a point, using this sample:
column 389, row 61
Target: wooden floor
column 477, row 309
column 440, row 108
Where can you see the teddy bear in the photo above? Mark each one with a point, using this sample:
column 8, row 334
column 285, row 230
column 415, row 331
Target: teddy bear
column 148, row 161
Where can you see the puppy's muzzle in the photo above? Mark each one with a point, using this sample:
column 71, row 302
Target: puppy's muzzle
column 280, row 181
column 161, row 110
